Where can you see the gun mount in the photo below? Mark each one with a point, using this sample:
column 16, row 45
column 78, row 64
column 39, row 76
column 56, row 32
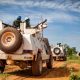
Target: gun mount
column 41, row 24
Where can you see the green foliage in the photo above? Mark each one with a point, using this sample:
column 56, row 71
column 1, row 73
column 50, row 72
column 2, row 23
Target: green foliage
column 4, row 75
column 73, row 76
column 70, row 50
column 73, row 57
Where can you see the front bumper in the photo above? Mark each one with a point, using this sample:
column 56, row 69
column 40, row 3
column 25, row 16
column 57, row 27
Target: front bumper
column 23, row 57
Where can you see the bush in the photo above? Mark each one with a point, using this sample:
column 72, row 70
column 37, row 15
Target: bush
column 73, row 57
column 73, row 76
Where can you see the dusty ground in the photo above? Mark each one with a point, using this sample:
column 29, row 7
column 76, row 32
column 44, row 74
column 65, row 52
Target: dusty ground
column 57, row 73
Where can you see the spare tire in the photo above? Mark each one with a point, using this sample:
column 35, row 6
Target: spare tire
column 57, row 51
column 10, row 40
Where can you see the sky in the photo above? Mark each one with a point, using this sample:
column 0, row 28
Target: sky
column 63, row 17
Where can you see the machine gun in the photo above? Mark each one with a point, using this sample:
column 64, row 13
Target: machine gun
column 41, row 23
column 7, row 25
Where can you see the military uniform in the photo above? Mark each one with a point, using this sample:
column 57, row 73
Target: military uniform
column 16, row 23
column 27, row 23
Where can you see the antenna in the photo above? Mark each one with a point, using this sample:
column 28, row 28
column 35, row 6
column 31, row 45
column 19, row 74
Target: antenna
column 42, row 26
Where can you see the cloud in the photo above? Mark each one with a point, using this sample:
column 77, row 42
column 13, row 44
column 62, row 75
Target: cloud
column 7, row 18
column 35, row 17
column 52, row 4
column 56, row 17
column 52, row 16
column 63, row 17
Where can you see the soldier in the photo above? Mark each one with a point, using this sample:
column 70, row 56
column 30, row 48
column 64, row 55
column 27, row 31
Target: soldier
column 16, row 23
column 27, row 20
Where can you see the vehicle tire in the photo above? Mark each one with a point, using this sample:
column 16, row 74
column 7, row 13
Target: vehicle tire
column 37, row 66
column 64, row 58
column 57, row 51
column 2, row 67
column 54, row 58
column 10, row 40
column 50, row 63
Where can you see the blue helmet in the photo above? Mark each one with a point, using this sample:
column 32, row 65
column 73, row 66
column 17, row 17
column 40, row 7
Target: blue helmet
column 19, row 18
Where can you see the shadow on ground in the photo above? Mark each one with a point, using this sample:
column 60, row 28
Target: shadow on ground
column 47, row 73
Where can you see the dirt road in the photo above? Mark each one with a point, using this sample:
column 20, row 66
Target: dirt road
column 57, row 73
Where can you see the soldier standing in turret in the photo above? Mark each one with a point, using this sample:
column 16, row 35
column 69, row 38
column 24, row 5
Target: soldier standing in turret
column 16, row 23
column 27, row 20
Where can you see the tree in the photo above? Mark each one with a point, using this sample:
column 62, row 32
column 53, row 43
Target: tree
column 70, row 50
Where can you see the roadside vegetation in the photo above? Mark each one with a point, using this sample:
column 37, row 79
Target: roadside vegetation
column 3, row 76
column 72, row 57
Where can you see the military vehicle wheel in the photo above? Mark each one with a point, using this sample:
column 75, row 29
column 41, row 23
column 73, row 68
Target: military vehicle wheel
column 10, row 39
column 54, row 58
column 50, row 63
column 2, row 66
column 37, row 66
column 64, row 58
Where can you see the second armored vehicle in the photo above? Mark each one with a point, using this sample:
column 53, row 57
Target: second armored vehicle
column 59, row 52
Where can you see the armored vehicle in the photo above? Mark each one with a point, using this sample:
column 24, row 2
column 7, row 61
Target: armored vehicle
column 59, row 52
column 24, row 47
